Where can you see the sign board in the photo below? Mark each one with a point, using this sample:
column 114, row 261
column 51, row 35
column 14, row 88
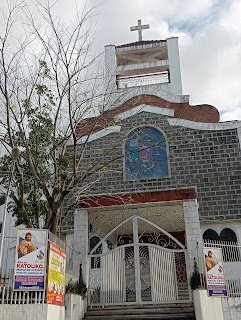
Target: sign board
column 30, row 260
column 56, row 275
column 214, row 269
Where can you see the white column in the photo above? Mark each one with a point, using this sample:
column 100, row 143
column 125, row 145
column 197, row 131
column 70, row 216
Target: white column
column 239, row 136
column 110, row 69
column 174, row 66
column 137, row 260
column 193, row 231
column 80, row 255
column 207, row 308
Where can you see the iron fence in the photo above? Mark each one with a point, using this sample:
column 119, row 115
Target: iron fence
column 141, row 80
column 232, row 264
column 8, row 296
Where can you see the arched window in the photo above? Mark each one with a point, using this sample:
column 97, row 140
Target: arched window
column 94, row 240
column 146, row 154
column 231, row 251
column 228, row 235
column 210, row 234
column 95, row 261
column 227, row 241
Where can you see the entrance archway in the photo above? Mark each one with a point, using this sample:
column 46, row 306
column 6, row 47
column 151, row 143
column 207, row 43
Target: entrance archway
column 138, row 262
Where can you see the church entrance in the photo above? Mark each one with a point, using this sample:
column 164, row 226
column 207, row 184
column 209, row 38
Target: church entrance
column 137, row 262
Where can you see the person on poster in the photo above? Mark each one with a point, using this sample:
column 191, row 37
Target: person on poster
column 210, row 261
column 26, row 246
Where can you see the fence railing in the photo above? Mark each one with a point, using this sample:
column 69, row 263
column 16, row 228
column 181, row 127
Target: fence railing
column 232, row 264
column 56, row 240
column 231, row 251
column 8, row 296
column 141, row 80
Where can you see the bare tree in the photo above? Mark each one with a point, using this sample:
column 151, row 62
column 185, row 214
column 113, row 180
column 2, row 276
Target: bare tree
column 50, row 81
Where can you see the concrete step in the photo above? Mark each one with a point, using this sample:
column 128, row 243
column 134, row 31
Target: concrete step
column 182, row 316
column 150, row 312
column 143, row 306
column 138, row 311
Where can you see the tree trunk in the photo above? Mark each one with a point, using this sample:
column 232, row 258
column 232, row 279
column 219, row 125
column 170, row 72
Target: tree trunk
column 54, row 221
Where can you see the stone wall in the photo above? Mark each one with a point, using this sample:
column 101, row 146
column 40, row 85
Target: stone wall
column 207, row 308
column 31, row 311
column 231, row 308
column 208, row 160
column 76, row 307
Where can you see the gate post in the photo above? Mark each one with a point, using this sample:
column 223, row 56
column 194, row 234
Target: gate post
column 192, row 230
column 137, row 260
column 80, row 255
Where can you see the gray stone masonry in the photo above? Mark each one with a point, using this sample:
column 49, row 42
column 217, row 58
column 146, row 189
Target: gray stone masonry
column 192, row 231
column 231, row 308
column 80, row 255
column 209, row 160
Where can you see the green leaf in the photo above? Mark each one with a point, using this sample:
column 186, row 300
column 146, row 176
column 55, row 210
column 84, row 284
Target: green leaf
column 131, row 199
column 86, row 110
column 111, row 123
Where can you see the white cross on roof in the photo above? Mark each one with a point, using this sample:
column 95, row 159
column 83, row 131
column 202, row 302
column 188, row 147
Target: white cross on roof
column 140, row 28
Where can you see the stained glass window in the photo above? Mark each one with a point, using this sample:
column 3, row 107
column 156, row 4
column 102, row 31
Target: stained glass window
column 146, row 154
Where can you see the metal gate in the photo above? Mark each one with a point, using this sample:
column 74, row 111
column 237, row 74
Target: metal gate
column 139, row 267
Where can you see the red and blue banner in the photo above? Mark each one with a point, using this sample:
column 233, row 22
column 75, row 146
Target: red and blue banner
column 30, row 260
column 214, row 269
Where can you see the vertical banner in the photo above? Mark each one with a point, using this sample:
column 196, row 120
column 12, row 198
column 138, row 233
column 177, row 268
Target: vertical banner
column 56, row 275
column 30, row 260
column 216, row 282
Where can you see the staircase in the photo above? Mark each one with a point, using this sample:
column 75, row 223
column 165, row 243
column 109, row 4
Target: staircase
column 179, row 311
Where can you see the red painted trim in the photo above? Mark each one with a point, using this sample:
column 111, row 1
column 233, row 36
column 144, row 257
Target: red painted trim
column 136, row 198
column 201, row 113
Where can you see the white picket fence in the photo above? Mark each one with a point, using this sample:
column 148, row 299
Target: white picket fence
column 8, row 296
column 232, row 264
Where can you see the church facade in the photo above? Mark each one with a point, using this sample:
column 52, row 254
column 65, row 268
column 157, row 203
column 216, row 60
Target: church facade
column 175, row 181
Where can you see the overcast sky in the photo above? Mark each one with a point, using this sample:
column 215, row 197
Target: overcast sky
column 209, row 34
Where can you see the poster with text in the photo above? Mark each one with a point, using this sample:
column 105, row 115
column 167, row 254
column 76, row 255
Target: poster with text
column 30, row 260
column 56, row 275
column 214, row 269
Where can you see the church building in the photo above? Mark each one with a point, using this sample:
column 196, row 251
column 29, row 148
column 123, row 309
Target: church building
column 175, row 182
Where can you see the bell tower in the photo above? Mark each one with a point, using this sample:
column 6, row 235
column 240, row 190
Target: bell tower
column 144, row 67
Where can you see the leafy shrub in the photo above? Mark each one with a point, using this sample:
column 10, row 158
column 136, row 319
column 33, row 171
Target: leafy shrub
column 77, row 287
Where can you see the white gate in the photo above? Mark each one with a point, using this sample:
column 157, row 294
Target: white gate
column 134, row 266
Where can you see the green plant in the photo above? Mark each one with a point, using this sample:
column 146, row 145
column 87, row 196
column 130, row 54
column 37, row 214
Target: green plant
column 195, row 281
column 77, row 287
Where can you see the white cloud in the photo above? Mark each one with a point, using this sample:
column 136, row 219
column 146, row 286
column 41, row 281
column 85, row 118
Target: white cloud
column 209, row 34
column 211, row 64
